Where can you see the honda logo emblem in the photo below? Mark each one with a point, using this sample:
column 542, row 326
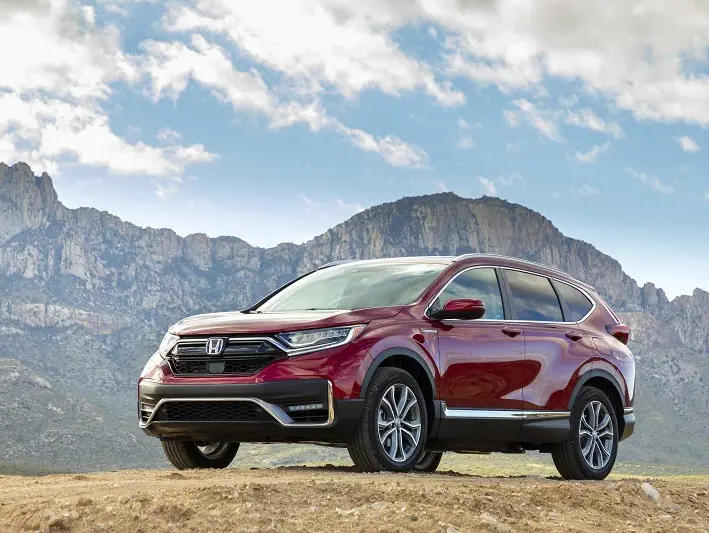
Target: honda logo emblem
column 215, row 346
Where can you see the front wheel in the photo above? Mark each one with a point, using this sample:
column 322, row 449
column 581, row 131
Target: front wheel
column 429, row 462
column 394, row 425
column 185, row 454
column 592, row 445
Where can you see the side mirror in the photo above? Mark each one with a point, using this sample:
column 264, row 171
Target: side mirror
column 463, row 309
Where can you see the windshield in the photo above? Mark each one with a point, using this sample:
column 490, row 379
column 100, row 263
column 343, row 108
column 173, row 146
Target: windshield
column 356, row 286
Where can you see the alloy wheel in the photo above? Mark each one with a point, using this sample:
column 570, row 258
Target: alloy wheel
column 596, row 435
column 399, row 423
column 212, row 449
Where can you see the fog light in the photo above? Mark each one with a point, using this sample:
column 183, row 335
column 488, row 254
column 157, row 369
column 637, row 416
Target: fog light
column 306, row 407
column 147, row 408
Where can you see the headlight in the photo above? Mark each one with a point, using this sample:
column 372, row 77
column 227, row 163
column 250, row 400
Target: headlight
column 168, row 343
column 312, row 339
column 152, row 369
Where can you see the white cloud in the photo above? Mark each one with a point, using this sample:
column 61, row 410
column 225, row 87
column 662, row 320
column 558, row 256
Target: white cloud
column 331, row 44
column 638, row 55
column 53, row 94
column 442, row 187
column 392, row 149
column 163, row 190
column 349, row 208
column 590, row 120
column 587, row 191
column 465, row 143
column 542, row 120
column 511, row 117
column 44, row 131
column 593, row 153
column 688, row 144
column 650, row 181
column 171, row 65
column 488, row 186
column 464, row 124
column 166, row 135
column 492, row 186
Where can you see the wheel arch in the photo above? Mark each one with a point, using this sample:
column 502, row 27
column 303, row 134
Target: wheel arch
column 605, row 382
column 416, row 365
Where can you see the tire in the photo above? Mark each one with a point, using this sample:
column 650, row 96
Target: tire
column 186, row 454
column 372, row 454
column 569, row 457
column 429, row 462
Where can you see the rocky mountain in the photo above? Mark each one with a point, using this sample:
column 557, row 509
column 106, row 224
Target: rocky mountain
column 85, row 298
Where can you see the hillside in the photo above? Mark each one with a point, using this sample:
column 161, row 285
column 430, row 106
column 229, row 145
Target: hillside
column 85, row 298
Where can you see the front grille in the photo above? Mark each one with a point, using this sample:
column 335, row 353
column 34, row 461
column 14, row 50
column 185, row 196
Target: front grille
column 241, row 357
column 211, row 412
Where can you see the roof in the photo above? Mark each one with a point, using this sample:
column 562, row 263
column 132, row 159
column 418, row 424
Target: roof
column 447, row 259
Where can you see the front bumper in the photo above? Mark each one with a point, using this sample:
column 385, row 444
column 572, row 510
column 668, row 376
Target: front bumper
column 268, row 404
column 628, row 423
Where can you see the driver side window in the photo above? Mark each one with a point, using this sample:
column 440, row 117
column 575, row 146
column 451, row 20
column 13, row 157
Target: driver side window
column 477, row 283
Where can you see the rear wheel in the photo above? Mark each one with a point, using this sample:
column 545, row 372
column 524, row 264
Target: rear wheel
column 185, row 454
column 592, row 446
column 429, row 462
column 394, row 425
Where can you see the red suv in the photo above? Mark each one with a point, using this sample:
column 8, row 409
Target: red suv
column 401, row 360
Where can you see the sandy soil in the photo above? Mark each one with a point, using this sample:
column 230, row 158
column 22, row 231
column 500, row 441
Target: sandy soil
column 338, row 499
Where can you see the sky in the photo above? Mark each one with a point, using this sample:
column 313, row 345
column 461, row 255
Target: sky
column 275, row 120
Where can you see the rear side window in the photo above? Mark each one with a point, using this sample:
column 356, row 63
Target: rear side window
column 575, row 300
column 479, row 284
column 533, row 297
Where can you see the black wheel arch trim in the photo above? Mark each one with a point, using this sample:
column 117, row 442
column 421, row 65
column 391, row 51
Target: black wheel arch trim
column 396, row 352
column 595, row 373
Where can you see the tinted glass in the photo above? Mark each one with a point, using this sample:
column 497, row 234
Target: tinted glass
column 356, row 286
column 480, row 284
column 578, row 304
column 533, row 297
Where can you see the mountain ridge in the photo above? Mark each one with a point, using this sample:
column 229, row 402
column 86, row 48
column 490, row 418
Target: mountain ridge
column 101, row 291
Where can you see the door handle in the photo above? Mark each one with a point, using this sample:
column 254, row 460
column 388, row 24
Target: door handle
column 511, row 332
column 574, row 335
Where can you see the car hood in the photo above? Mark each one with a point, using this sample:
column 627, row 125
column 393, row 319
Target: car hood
column 236, row 322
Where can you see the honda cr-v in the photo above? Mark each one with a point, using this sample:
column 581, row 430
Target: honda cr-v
column 401, row 360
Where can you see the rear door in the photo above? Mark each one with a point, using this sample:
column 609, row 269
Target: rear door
column 555, row 348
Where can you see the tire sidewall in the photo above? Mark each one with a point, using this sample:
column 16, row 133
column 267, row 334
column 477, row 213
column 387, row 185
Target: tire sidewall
column 588, row 396
column 403, row 378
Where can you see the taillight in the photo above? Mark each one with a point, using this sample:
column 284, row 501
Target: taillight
column 620, row 332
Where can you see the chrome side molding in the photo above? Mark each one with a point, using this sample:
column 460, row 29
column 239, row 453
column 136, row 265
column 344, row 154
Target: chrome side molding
column 502, row 414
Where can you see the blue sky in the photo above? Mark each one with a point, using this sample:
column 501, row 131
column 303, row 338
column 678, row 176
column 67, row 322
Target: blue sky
column 275, row 120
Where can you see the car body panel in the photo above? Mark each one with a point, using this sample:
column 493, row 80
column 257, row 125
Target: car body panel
column 237, row 322
column 480, row 366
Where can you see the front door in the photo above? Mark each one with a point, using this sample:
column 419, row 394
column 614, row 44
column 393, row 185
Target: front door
column 481, row 361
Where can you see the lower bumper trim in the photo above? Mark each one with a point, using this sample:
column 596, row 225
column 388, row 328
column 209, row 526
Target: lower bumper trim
column 278, row 414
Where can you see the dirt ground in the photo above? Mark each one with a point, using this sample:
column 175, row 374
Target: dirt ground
column 335, row 499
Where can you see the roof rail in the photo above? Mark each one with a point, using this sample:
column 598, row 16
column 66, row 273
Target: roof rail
column 526, row 261
column 335, row 263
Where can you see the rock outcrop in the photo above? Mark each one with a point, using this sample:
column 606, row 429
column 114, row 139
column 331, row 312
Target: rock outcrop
column 87, row 296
